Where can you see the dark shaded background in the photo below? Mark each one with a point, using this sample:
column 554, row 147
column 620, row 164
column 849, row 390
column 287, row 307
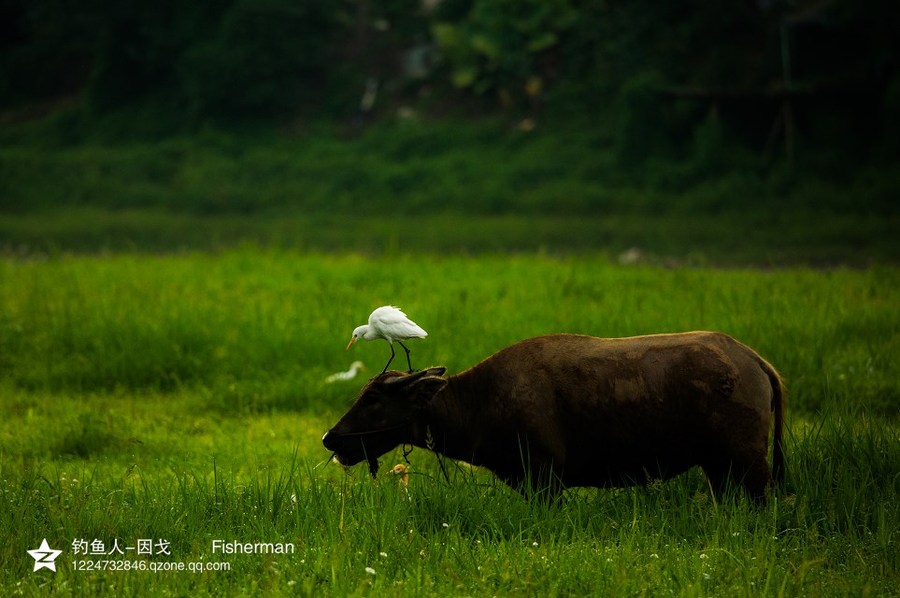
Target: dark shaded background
column 631, row 113
column 671, row 62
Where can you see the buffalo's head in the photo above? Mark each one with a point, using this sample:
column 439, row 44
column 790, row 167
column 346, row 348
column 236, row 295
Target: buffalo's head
column 382, row 416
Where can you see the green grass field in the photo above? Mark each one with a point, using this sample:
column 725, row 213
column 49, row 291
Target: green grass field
column 439, row 186
column 181, row 399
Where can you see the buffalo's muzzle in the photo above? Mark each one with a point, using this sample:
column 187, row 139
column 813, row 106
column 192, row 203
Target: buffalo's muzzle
column 330, row 441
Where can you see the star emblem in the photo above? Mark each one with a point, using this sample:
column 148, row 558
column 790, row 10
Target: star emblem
column 44, row 556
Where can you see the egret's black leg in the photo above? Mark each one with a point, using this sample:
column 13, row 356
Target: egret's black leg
column 389, row 360
column 408, row 362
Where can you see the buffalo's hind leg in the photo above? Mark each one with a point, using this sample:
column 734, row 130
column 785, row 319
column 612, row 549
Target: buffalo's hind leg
column 752, row 474
column 542, row 486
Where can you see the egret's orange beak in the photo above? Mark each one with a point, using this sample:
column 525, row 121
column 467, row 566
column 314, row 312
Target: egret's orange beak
column 350, row 344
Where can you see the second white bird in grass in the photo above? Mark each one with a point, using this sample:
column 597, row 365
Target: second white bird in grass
column 391, row 324
column 348, row 375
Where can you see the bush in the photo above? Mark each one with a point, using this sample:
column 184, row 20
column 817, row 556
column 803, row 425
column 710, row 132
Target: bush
column 269, row 58
column 641, row 129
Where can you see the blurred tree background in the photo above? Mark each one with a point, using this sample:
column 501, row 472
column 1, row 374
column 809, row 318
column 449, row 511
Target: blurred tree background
column 663, row 68
column 672, row 92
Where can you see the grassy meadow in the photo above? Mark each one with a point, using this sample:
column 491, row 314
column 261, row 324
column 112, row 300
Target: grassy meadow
column 439, row 186
column 181, row 398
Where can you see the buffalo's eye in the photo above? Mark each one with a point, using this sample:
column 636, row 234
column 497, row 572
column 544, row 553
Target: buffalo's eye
column 375, row 404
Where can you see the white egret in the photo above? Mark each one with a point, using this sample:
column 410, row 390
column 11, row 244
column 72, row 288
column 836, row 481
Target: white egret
column 391, row 324
column 348, row 375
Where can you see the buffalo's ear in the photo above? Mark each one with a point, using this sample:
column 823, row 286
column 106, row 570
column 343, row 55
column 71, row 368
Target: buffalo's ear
column 426, row 388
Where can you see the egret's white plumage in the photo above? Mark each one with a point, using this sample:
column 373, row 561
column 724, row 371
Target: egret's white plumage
column 348, row 375
column 391, row 324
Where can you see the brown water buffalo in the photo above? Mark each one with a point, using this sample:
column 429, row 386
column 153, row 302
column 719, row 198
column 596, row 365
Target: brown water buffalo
column 573, row 410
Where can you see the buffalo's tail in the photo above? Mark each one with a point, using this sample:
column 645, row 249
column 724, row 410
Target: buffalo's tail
column 778, row 406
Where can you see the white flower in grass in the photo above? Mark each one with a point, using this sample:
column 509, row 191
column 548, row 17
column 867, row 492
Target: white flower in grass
column 370, row 570
column 383, row 555
column 445, row 525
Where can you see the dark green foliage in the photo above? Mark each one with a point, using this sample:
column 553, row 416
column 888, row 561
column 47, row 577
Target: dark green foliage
column 277, row 60
column 46, row 50
column 502, row 47
column 447, row 186
column 134, row 47
column 641, row 119
column 643, row 124
column 268, row 59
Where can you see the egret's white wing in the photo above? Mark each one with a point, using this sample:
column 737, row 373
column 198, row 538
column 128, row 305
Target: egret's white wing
column 392, row 322
column 385, row 315
column 410, row 329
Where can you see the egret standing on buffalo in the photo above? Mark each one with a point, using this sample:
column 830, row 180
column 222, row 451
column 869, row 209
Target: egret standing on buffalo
column 391, row 324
